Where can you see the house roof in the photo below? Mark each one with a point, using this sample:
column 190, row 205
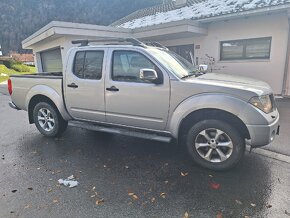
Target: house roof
column 195, row 10
column 22, row 57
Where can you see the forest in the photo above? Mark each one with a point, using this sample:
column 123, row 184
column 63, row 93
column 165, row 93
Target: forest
column 21, row 18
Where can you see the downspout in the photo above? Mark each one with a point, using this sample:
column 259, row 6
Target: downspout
column 286, row 70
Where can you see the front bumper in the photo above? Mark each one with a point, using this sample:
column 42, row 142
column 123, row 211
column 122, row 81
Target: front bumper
column 12, row 105
column 262, row 135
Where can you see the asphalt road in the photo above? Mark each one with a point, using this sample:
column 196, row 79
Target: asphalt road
column 31, row 164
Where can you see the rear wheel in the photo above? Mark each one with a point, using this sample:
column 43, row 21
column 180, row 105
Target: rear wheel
column 48, row 120
column 215, row 144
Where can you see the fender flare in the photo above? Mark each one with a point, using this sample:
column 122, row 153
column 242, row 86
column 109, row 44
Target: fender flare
column 219, row 101
column 52, row 95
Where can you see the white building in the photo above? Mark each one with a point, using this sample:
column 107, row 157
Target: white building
column 243, row 37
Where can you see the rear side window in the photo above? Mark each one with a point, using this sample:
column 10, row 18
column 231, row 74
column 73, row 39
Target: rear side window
column 89, row 65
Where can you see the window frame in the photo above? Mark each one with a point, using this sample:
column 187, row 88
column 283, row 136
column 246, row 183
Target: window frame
column 85, row 51
column 244, row 43
column 159, row 71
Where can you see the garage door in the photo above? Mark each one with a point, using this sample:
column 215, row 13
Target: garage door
column 51, row 60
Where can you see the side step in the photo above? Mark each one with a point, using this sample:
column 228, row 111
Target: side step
column 120, row 131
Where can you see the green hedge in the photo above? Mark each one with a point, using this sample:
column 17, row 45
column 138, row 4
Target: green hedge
column 20, row 67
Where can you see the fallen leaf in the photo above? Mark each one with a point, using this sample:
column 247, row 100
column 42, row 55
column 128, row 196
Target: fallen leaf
column 184, row 174
column 253, row 205
column 27, row 206
column 214, row 185
column 130, row 193
column 239, row 202
column 100, row 201
column 287, row 213
column 55, row 201
column 153, row 200
column 30, row 189
column 269, row 206
column 49, row 190
column 247, row 217
column 186, row 215
column 219, row 215
column 163, row 195
column 135, row 197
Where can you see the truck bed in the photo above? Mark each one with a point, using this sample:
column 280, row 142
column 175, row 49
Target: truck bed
column 26, row 86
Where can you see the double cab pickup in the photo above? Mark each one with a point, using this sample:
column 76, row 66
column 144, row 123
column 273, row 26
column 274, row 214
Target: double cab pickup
column 150, row 92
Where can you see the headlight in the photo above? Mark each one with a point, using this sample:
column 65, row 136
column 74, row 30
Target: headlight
column 264, row 103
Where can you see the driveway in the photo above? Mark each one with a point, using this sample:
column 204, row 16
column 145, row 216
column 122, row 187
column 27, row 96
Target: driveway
column 127, row 177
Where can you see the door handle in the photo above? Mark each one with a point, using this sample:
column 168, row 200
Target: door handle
column 73, row 85
column 112, row 89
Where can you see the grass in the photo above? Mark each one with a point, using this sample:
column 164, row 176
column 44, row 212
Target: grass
column 7, row 72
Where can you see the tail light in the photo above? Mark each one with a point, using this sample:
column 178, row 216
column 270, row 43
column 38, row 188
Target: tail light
column 10, row 86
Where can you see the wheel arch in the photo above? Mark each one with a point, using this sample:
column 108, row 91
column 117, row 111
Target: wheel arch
column 34, row 101
column 216, row 114
column 44, row 93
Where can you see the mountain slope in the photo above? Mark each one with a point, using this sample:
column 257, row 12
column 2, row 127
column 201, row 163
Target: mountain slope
column 19, row 18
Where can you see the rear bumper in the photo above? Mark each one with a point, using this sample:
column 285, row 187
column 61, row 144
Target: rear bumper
column 262, row 135
column 12, row 105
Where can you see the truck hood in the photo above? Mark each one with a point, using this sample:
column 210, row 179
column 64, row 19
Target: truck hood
column 234, row 84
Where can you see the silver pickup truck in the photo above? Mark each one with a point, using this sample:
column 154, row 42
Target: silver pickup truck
column 150, row 92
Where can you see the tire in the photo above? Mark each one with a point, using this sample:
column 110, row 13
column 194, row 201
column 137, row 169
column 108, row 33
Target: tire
column 207, row 139
column 48, row 120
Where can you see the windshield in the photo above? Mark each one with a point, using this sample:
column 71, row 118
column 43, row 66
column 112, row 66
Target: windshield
column 175, row 63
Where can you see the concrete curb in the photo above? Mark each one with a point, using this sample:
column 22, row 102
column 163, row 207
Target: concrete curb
column 271, row 154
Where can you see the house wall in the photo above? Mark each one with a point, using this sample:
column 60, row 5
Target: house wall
column 270, row 71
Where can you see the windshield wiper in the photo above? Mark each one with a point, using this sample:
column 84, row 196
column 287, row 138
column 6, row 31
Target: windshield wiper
column 193, row 73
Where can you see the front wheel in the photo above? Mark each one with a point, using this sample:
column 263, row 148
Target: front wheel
column 215, row 144
column 48, row 120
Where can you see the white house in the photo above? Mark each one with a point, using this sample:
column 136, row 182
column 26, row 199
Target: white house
column 243, row 37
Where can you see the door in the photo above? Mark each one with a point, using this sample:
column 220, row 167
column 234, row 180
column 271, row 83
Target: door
column 131, row 101
column 84, row 85
column 51, row 60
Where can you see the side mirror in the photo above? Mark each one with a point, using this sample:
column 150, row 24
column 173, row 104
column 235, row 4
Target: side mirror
column 149, row 75
column 203, row 68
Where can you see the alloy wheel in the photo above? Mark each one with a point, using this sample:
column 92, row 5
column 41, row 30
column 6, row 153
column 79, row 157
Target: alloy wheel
column 46, row 119
column 214, row 145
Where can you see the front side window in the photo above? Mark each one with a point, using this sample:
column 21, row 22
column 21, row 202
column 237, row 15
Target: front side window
column 246, row 49
column 127, row 66
column 89, row 65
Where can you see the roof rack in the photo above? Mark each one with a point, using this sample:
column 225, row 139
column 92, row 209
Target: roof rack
column 156, row 44
column 133, row 41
